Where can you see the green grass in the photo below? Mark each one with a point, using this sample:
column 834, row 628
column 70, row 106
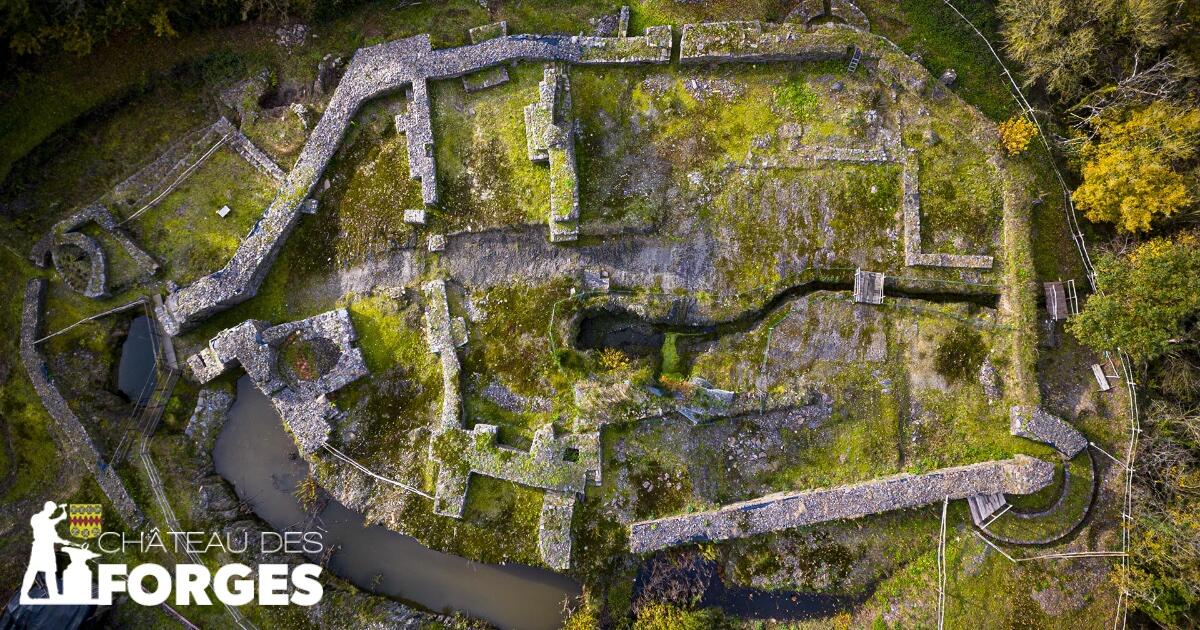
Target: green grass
column 184, row 230
column 391, row 335
column 943, row 40
column 961, row 206
column 511, row 343
column 484, row 170
column 362, row 213
column 1060, row 521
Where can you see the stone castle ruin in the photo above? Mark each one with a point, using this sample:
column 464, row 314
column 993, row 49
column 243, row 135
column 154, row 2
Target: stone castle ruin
column 561, row 464
column 302, row 404
column 550, row 135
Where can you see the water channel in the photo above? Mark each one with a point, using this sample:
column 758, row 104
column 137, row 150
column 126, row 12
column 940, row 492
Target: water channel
column 256, row 455
column 135, row 371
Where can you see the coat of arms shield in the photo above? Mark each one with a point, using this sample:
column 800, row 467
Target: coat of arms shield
column 86, row 520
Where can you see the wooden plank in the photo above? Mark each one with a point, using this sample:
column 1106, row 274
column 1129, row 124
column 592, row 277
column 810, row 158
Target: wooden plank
column 868, row 287
column 1056, row 300
column 1101, row 379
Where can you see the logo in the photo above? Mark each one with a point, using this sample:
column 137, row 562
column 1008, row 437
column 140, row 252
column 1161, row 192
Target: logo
column 85, row 581
column 86, row 520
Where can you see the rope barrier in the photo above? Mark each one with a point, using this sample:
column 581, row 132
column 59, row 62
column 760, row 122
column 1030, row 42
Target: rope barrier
column 1027, row 109
column 91, row 318
column 342, row 456
column 178, row 180
column 1122, row 611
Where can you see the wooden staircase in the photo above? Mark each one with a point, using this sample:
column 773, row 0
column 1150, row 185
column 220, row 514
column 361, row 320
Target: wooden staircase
column 984, row 505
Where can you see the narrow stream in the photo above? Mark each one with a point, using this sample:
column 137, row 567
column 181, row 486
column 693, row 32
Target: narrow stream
column 701, row 581
column 135, row 372
column 256, row 455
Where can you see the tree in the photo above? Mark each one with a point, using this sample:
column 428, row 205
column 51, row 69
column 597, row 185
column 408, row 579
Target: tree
column 1137, row 167
column 1163, row 575
column 1058, row 41
column 1144, row 301
column 33, row 27
column 1077, row 47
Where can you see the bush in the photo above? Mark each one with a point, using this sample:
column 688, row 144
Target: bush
column 660, row 616
column 960, row 354
column 1016, row 133
column 613, row 359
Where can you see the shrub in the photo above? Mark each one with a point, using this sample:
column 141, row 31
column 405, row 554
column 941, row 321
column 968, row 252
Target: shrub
column 960, row 354
column 661, row 616
column 613, row 359
column 1016, row 134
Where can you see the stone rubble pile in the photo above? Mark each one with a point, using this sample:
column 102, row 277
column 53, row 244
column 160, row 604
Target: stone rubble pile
column 1037, row 424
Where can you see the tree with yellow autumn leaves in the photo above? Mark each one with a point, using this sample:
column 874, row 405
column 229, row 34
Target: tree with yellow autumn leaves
column 1140, row 166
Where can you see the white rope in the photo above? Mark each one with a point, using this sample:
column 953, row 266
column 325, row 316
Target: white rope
column 993, row 546
column 1122, row 612
column 942, row 568
column 1027, row 109
column 342, row 456
column 1110, row 455
column 160, row 496
column 1075, row 554
column 92, row 317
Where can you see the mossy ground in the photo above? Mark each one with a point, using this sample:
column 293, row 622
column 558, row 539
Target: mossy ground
column 185, row 231
column 484, row 171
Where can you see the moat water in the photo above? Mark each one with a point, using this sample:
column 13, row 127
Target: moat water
column 256, row 455
column 135, row 371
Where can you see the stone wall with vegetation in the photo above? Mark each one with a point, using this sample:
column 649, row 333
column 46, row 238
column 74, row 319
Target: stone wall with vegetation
column 74, row 440
column 1019, row 475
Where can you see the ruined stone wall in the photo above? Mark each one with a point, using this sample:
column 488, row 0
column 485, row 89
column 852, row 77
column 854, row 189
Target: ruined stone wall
column 302, row 405
column 441, row 343
column 1034, row 423
column 753, row 41
column 248, row 150
column 460, row 453
column 749, row 41
column 1019, row 475
column 74, row 440
column 374, row 71
column 911, row 209
column 64, row 233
